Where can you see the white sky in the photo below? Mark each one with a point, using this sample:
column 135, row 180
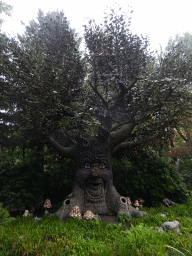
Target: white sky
column 160, row 20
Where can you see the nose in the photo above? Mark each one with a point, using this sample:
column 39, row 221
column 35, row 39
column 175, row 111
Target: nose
column 95, row 170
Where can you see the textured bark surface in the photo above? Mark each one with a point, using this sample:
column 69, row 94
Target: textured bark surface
column 93, row 184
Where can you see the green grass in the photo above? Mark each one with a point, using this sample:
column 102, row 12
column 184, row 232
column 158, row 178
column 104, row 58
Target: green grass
column 76, row 237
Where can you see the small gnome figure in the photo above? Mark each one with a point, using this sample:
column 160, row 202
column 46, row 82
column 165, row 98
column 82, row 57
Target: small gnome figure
column 47, row 205
column 136, row 204
column 141, row 202
column 26, row 213
column 128, row 200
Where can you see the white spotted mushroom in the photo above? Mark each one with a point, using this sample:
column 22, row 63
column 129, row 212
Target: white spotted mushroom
column 88, row 215
column 75, row 213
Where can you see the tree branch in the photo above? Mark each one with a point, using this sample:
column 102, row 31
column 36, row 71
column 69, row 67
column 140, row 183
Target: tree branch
column 119, row 136
column 181, row 135
column 122, row 145
column 122, row 85
column 99, row 94
column 186, row 129
column 70, row 139
column 63, row 151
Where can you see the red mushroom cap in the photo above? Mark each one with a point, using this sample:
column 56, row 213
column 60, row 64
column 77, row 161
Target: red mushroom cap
column 136, row 203
column 75, row 213
column 88, row 215
column 47, row 204
column 141, row 201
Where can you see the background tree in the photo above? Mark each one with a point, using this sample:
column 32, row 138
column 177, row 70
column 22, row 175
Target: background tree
column 42, row 75
column 176, row 61
column 5, row 8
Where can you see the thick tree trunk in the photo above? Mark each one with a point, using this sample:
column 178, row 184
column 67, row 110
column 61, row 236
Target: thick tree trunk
column 93, row 184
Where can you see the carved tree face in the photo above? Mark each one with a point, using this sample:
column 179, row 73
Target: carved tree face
column 94, row 173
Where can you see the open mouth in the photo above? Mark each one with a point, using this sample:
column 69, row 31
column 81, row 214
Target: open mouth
column 95, row 184
column 95, row 189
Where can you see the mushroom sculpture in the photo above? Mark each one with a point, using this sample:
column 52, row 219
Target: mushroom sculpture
column 141, row 202
column 136, row 204
column 89, row 215
column 47, row 205
column 75, row 213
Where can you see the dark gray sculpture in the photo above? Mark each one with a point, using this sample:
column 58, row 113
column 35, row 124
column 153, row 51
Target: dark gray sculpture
column 93, row 184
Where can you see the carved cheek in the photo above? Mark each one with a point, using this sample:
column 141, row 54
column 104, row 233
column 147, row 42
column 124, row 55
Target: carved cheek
column 82, row 175
column 106, row 175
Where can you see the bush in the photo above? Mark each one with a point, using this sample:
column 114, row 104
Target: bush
column 23, row 185
column 148, row 176
column 185, row 170
column 58, row 182
column 3, row 213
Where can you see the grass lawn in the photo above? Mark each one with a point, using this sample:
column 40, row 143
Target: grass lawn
column 75, row 237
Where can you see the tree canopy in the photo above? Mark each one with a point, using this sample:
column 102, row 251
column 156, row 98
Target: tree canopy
column 136, row 94
column 5, row 8
column 176, row 62
column 42, row 73
column 127, row 90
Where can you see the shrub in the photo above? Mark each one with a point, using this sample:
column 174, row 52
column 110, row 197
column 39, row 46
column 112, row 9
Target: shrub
column 185, row 170
column 21, row 185
column 58, row 182
column 3, row 213
column 148, row 176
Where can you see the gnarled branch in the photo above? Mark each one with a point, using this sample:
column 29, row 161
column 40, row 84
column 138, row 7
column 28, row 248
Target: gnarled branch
column 119, row 136
column 63, row 151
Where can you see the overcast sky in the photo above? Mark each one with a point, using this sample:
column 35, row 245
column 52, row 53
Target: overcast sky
column 160, row 20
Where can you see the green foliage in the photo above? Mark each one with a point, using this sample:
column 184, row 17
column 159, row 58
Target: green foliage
column 123, row 218
column 110, row 213
column 43, row 74
column 88, row 237
column 114, row 54
column 58, row 182
column 20, row 184
column 23, row 185
column 131, row 85
column 5, row 8
column 148, row 176
column 185, row 170
column 3, row 213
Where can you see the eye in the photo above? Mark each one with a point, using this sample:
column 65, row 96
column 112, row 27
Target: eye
column 87, row 166
column 102, row 166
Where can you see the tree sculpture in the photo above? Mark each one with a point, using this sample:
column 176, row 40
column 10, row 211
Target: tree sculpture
column 130, row 92
column 126, row 93
column 93, row 188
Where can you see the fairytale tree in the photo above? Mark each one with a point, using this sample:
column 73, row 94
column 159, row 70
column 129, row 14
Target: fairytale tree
column 131, row 95
column 127, row 97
